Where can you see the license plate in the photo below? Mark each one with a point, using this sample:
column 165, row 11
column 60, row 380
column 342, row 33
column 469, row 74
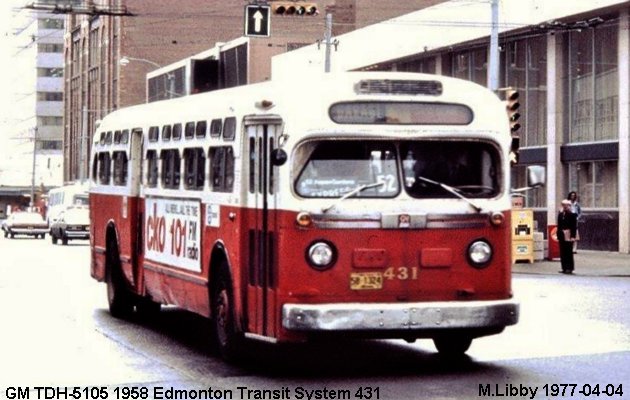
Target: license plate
column 366, row 280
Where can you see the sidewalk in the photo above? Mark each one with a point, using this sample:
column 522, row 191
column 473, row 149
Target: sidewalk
column 587, row 263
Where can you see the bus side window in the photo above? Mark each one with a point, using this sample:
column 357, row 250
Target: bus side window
column 95, row 169
column 152, row 168
column 120, row 168
column 104, row 169
column 189, row 130
column 216, row 126
column 200, row 129
column 124, row 136
column 171, row 162
column 154, row 133
column 252, row 165
column 229, row 128
column 194, row 168
column 177, row 131
column 221, row 169
column 166, row 133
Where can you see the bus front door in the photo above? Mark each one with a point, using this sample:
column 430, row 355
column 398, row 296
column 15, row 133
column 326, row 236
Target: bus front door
column 262, row 227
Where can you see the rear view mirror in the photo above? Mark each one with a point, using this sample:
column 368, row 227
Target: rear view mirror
column 536, row 175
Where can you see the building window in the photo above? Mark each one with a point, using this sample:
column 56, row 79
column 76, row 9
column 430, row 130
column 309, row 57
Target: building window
column 595, row 182
column 524, row 63
column 50, row 72
column 470, row 65
column 425, row 65
column 50, row 48
column 50, row 23
column 593, row 83
column 49, row 121
column 533, row 198
column 49, row 96
column 49, row 144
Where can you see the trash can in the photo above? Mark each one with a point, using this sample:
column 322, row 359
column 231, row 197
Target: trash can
column 553, row 244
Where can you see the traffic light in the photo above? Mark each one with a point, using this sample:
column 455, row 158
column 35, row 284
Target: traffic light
column 511, row 106
column 294, row 8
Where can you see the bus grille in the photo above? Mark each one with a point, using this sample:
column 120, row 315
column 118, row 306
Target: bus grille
column 387, row 86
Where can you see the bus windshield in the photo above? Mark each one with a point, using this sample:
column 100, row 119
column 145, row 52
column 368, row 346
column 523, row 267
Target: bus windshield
column 332, row 169
column 80, row 200
column 335, row 168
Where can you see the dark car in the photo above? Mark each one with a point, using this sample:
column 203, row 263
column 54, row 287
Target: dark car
column 72, row 223
column 25, row 223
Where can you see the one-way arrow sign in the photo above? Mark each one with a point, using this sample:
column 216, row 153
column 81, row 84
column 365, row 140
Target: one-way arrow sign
column 257, row 21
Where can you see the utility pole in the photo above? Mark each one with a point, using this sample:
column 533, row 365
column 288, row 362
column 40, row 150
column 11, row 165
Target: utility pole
column 82, row 141
column 32, row 202
column 493, row 64
column 329, row 42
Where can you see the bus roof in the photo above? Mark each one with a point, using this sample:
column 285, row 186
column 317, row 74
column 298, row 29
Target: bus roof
column 311, row 98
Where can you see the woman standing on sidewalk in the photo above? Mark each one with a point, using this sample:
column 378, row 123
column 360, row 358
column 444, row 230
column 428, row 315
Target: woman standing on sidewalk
column 577, row 210
column 567, row 229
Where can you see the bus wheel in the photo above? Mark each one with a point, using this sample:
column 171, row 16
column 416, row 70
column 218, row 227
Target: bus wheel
column 227, row 338
column 452, row 345
column 118, row 297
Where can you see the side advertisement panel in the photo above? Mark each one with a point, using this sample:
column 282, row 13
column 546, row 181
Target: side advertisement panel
column 173, row 232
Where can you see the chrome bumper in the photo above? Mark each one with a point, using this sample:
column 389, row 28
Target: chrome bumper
column 24, row 231
column 394, row 316
column 78, row 234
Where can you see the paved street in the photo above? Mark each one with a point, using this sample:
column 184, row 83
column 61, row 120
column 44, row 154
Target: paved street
column 57, row 332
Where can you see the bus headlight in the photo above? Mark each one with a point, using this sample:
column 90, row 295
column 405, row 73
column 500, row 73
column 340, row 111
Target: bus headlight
column 321, row 255
column 479, row 253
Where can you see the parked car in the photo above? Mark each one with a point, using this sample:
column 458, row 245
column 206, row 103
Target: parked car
column 72, row 223
column 25, row 223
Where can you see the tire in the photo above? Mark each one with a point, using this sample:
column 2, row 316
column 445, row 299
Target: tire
column 452, row 345
column 227, row 339
column 43, row 236
column 12, row 235
column 119, row 298
column 64, row 239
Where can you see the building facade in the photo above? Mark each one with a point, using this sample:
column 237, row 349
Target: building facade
column 35, row 132
column 570, row 65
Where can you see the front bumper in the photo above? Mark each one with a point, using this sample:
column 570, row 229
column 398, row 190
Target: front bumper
column 77, row 234
column 415, row 317
column 29, row 231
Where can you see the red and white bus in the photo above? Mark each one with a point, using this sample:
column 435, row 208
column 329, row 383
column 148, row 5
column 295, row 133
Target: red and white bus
column 368, row 204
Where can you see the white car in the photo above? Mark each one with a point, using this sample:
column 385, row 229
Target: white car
column 25, row 223
column 72, row 223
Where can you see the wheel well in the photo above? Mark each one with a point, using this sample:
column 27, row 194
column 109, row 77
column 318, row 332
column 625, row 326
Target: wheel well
column 218, row 262
column 111, row 248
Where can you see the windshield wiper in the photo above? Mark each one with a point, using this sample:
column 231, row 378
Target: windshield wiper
column 353, row 192
column 452, row 190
